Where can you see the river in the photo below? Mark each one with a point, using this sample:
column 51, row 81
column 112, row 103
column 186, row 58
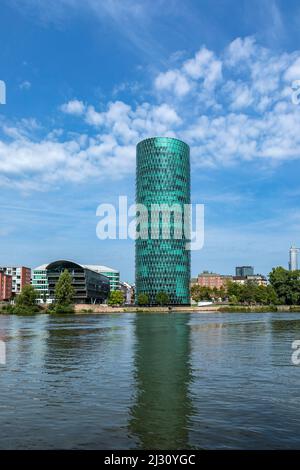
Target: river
column 150, row 381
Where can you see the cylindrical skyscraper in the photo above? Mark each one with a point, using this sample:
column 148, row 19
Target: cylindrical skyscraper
column 293, row 264
column 162, row 259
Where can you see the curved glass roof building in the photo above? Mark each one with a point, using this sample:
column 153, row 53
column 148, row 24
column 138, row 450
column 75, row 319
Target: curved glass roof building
column 162, row 260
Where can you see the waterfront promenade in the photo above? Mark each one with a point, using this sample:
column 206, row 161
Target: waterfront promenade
column 184, row 309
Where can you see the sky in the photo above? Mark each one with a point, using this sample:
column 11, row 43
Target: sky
column 85, row 81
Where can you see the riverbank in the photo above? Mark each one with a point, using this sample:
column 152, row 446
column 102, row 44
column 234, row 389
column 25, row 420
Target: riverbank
column 101, row 309
column 82, row 309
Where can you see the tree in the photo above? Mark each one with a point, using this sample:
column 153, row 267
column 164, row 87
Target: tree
column 234, row 289
column 272, row 296
column 162, row 298
column 286, row 285
column 143, row 299
column 64, row 291
column 26, row 301
column 27, row 297
column 202, row 293
column 116, row 297
column 233, row 299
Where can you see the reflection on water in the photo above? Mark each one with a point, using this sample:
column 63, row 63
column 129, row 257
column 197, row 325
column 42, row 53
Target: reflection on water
column 150, row 381
column 161, row 411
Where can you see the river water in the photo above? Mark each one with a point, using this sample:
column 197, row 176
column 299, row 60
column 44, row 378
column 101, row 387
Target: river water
column 150, row 381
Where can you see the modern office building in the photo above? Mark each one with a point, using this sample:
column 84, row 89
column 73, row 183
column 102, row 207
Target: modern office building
column 90, row 286
column 112, row 274
column 21, row 277
column 244, row 271
column 5, row 286
column 40, row 283
column 162, row 260
column 293, row 263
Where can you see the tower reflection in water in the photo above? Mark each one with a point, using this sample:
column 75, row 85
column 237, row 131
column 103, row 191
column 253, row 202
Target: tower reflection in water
column 162, row 408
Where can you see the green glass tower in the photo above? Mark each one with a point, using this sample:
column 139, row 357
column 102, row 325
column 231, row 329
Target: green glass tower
column 162, row 260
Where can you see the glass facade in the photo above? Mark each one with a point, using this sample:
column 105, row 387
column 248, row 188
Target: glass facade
column 40, row 283
column 114, row 279
column 90, row 287
column 162, row 262
column 244, row 271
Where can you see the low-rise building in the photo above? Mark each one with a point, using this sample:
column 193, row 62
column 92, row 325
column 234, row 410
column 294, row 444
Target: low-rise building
column 112, row 274
column 257, row 278
column 21, row 277
column 5, row 286
column 128, row 291
column 90, row 286
column 213, row 280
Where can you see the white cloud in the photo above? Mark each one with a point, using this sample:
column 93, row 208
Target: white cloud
column 240, row 50
column 204, row 65
column 74, row 107
column 173, row 80
column 26, row 85
column 293, row 72
column 232, row 107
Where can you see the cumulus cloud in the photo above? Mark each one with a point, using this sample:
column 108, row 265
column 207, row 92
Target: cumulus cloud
column 173, row 80
column 75, row 107
column 203, row 66
column 230, row 107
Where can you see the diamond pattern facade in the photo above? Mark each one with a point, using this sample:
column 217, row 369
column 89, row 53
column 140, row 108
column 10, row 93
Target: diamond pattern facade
column 163, row 177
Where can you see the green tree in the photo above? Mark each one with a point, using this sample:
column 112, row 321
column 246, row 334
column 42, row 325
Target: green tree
column 162, row 298
column 26, row 301
column 272, row 296
column 116, row 297
column 64, row 291
column 143, row 299
column 27, row 297
column 248, row 292
column 203, row 293
column 234, row 289
column 233, row 299
column 286, row 285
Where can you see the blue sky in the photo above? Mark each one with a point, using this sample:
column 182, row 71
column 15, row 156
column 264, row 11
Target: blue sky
column 87, row 80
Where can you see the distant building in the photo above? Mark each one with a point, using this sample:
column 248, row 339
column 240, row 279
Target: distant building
column 21, row 277
column 293, row 263
column 90, row 286
column 128, row 292
column 257, row 278
column 112, row 274
column 239, row 279
column 213, row 280
column 5, row 286
column 244, row 271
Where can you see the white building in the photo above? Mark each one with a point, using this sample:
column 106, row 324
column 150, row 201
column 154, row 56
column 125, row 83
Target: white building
column 293, row 264
column 40, row 283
